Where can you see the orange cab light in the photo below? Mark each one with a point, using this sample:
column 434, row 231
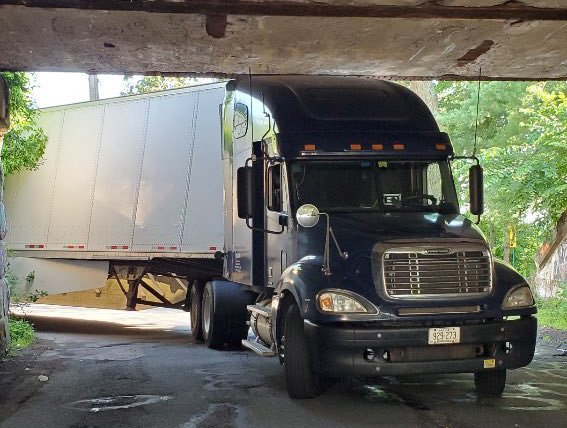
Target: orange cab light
column 309, row 147
column 399, row 146
column 441, row 146
column 377, row 146
column 326, row 302
column 355, row 147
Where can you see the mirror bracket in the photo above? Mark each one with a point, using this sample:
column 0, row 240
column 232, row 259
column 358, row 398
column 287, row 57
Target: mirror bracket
column 283, row 219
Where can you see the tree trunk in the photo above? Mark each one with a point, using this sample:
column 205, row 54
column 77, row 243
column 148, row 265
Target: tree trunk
column 506, row 249
column 426, row 91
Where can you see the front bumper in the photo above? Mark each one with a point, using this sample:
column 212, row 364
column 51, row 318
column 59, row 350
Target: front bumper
column 340, row 350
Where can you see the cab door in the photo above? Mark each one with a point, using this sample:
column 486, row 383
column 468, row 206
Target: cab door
column 277, row 209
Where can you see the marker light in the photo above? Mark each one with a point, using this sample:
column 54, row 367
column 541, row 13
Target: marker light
column 377, row 147
column 355, row 147
column 309, row 147
column 441, row 146
column 399, row 146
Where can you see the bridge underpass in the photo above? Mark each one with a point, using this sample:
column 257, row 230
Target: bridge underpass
column 180, row 384
column 449, row 39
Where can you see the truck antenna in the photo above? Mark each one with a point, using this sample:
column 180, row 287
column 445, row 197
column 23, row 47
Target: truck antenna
column 251, row 102
column 477, row 106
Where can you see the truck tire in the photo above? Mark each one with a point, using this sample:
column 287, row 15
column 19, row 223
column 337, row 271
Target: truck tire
column 214, row 326
column 196, row 294
column 301, row 380
column 238, row 331
column 490, row 382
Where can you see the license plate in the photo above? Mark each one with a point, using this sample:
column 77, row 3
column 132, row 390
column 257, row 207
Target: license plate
column 442, row 336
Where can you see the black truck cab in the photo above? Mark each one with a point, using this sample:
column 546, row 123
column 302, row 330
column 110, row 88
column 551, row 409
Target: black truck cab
column 345, row 242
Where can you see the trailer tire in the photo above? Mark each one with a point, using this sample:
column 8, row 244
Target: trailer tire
column 214, row 325
column 490, row 383
column 301, row 380
column 196, row 298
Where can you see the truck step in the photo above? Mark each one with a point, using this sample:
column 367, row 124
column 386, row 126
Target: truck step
column 258, row 348
column 262, row 310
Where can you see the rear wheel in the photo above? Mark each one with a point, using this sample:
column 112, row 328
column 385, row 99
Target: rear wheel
column 301, row 380
column 196, row 302
column 490, row 382
column 214, row 325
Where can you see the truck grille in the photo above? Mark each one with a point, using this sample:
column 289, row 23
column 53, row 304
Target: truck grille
column 434, row 353
column 436, row 272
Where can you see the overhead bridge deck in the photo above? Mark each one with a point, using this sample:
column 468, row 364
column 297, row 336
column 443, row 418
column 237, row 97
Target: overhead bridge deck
column 393, row 38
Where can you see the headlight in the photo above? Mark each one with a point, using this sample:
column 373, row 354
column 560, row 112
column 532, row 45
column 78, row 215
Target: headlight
column 329, row 301
column 518, row 297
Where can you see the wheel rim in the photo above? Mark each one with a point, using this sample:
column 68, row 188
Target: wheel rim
column 206, row 313
column 194, row 309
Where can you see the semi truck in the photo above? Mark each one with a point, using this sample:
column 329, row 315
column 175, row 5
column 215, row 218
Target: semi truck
column 342, row 246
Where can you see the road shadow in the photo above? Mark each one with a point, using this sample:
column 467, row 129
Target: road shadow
column 147, row 331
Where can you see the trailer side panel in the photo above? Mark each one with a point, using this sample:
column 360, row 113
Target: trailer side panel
column 168, row 151
column 29, row 195
column 118, row 175
column 204, row 223
column 74, row 178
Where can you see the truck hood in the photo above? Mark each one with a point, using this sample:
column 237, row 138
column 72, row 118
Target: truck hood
column 358, row 233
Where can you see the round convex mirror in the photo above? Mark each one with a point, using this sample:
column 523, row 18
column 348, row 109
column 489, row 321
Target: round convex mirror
column 307, row 215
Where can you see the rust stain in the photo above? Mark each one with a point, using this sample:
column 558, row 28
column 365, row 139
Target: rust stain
column 473, row 54
column 216, row 25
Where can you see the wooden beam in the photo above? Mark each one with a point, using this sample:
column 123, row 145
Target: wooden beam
column 509, row 10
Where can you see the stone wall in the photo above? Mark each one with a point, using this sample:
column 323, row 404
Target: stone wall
column 552, row 262
column 4, row 294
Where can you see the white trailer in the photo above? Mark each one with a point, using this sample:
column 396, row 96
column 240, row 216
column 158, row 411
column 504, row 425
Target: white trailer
column 127, row 185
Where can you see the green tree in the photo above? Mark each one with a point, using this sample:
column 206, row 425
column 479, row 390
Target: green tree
column 523, row 149
column 24, row 143
column 159, row 83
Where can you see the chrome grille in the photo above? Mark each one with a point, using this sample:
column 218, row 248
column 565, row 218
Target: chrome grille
column 436, row 272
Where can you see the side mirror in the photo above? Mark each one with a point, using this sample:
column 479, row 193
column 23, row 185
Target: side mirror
column 307, row 215
column 245, row 192
column 476, row 190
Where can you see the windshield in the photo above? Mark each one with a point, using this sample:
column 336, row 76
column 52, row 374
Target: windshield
column 372, row 185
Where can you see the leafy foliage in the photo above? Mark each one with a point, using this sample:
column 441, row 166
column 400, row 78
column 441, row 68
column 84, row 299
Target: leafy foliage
column 522, row 145
column 24, row 143
column 157, row 83
column 22, row 334
column 553, row 312
column 21, row 296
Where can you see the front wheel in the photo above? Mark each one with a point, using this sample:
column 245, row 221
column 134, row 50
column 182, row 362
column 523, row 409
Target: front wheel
column 301, row 380
column 490, row 382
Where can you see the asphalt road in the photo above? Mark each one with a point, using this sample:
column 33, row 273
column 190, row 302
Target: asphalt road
column 123, row 369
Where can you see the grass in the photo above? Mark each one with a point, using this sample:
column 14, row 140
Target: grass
column 552, row 312
column 22, row 334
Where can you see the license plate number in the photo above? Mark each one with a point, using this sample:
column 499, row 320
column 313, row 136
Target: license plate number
column 442, row 336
